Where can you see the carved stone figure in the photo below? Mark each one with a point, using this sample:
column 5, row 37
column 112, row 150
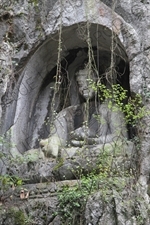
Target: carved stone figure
column 90, row 123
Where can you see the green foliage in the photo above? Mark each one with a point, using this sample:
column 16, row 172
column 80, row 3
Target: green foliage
column 117, row 96
column 4, row 142
column 60, row 162
column 7, row 181
column 17, row 216
column 72, row 200
column 34, row 2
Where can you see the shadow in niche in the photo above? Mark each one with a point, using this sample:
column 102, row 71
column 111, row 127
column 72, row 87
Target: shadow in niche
column 122, row 68
column 63, row 98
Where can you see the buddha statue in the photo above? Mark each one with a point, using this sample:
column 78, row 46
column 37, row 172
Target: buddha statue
column 90, row 123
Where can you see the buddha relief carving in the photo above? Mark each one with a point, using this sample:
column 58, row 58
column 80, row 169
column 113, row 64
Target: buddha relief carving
column 90, row 122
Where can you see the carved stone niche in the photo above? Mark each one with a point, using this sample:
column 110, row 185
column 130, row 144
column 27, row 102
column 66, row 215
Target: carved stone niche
column 34, row 99
column 28, row 108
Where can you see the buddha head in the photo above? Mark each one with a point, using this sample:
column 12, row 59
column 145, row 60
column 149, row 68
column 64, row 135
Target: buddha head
column 85, row 76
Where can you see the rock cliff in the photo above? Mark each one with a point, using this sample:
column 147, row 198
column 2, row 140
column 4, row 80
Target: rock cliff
column 40, row 47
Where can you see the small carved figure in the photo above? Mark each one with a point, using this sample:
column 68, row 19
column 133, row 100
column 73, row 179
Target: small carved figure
column 24, row 194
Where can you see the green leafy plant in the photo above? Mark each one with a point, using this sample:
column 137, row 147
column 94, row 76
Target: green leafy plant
column 72, row 200
column 18, row 216
column 8, row 181
column 116, row 96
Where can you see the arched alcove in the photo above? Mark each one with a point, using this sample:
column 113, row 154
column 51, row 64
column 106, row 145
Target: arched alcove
column 34, row 90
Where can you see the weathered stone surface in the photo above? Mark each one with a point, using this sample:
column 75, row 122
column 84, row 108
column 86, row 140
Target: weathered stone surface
column 34, row 167
column 40, row 206
column 28, row 56
column 97, row 212
column 120, row 208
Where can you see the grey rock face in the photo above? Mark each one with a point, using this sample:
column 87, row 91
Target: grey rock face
column 32, row 33
column 97, row 213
